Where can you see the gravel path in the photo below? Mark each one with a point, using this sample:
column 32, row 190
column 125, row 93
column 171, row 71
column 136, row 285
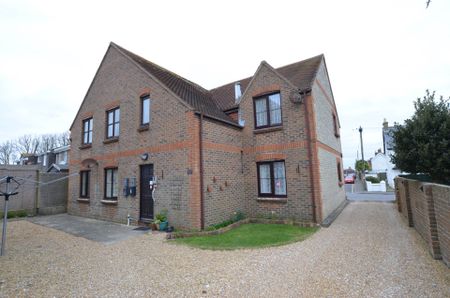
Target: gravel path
column 367, row 251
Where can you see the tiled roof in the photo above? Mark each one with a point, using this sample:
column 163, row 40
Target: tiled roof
column 194, row 95
column 212, row 103
column 301, row 74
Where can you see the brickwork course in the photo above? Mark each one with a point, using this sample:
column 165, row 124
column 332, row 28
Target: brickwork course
column 426, row 207
column 205, row 161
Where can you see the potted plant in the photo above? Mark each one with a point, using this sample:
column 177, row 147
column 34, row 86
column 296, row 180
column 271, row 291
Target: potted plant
column 162, row 219
column 155, row 225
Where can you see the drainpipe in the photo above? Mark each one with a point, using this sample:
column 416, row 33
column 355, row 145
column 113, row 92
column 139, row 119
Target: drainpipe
column 311, row 176
column 38, row 193
column 202, row 204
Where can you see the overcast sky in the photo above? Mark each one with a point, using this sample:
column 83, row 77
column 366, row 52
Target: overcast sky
column 381, row 55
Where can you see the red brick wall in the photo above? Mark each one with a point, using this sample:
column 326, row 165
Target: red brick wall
column 172, row 146
column 289, row 143
column 426, row 207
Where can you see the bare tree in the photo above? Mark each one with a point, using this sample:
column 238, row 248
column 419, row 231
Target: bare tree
column 7, row 152
column 64, row 138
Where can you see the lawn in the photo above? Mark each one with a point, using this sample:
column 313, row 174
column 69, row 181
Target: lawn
column 251, row 236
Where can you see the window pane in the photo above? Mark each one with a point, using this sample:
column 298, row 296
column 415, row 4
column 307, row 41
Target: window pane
column 110, row 117
column 91, row 123
column 85, row 138
column 108, row 183
column 86, row 126
column 83, row 184
column 115, row 184
column 275, row 109
column 279, row 177
column 110, row 131
column 145, row 111
column 116, row 129
column 90, row 137
column 117, row 115
column 261, row 112
column 264, row 179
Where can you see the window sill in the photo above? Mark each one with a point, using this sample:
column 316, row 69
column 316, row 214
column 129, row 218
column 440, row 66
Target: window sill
column 276, row 200
column 85, row 146
column 267, row 129
column 143, row 128
column 111, row 140
column 109, row 202
column 83, row 200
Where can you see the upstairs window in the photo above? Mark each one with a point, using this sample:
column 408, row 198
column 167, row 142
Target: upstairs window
column 87, row 131
column 268, row 110
column 145, row 110
column 271, row 179
column 111, row 184
column 113, row 123
column 335, row 126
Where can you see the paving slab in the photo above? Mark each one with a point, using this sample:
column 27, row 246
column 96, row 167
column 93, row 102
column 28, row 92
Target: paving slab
column 92, row 229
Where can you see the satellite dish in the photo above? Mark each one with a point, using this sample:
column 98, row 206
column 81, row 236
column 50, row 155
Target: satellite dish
column 295, row 96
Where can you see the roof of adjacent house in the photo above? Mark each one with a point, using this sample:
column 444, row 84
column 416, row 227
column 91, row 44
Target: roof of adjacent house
column 212, row 103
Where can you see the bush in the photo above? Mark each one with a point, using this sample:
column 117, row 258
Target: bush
column 14, row 214
column 422, row 144
column 237, row 216
column 372, row 179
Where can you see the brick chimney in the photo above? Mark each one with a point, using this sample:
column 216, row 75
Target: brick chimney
column 385, row 123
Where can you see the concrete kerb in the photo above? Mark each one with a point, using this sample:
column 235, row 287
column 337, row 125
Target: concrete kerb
column 332, row 217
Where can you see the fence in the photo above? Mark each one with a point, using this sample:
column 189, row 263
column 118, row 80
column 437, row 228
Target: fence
column 33, row 197
column 426, row 207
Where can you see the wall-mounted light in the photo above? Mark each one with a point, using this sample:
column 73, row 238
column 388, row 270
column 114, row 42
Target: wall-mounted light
column 144, row 156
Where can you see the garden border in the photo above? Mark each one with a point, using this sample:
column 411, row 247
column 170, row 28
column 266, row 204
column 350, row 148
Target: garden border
column 175, row 235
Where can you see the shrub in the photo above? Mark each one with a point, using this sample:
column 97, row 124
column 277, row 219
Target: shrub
column 237, row 216
column 372, row 179
column 422, row 144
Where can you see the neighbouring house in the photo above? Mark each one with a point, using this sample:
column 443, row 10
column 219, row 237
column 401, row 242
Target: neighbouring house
column 55, row 160
column 27, row 159
column 381, row 162
column 146, row 139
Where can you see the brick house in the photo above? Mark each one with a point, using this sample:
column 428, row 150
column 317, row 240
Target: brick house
column 267, row 145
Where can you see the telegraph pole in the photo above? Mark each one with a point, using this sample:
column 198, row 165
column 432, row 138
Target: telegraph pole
column 360, row 137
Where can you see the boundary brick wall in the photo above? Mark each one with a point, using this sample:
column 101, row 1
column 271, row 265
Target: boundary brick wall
column 45, row 200
column 426, row 207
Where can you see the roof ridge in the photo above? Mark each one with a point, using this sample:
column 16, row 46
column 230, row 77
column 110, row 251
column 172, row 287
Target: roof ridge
column 301, row 61
column 202, row 89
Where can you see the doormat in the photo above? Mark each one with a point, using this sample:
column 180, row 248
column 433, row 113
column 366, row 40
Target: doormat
column 141, row 229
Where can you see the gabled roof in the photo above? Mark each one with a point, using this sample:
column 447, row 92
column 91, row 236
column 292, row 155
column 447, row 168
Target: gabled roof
column 301, row 74
column 193, row 94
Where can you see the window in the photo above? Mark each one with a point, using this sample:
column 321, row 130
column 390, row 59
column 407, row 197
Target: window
column 87, row 131
column 339, row 172
column 111, row 184
column 335, row 125
column 268, row 110
column 271, row 179
column 145, row 110
column 84, row 184
column 113, row 123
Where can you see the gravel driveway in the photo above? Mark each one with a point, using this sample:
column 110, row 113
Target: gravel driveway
column 367, row 251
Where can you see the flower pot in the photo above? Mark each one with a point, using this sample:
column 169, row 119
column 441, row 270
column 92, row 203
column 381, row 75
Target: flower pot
column 163, row 225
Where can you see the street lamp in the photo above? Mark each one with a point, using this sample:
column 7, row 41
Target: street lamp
column 360, row 137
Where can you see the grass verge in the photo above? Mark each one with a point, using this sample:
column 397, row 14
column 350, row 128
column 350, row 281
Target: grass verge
column 252, row 235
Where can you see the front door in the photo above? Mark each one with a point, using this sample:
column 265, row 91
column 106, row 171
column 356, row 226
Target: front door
column 146, row 209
